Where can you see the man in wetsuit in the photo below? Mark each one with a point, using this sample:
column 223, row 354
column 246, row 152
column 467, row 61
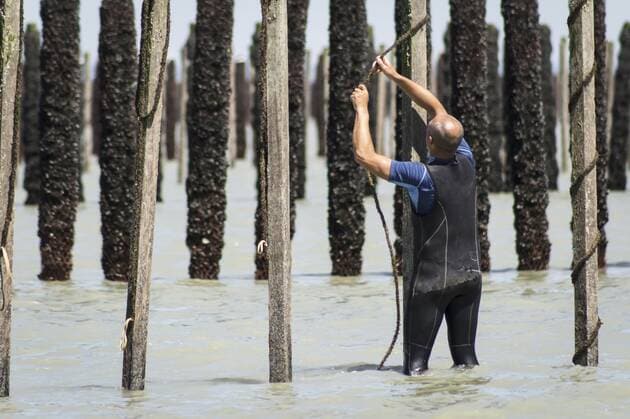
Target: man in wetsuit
column 446, row 279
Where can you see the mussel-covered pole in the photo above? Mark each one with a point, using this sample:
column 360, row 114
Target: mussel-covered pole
column 620, row 134
column 549, row 107
column 469, row 72
column 495, row 111
column 443, row 76
column 297, row 15
column 319, row 101
column 151, row 74
column 119, row 133
column 346, row 180
column 275, row 123
column 524, row 132
column 208, row 132
column 30, row 114
column 242, row 108
column 601, row 115
column 172, row 109
column 563, row 105
column 584, row 180
column 260, row 156
column 10, row 81
column 60, row 121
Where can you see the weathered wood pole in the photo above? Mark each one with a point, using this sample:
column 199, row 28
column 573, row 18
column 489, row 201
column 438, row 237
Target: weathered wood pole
column 183, row 101
column 563, row 106
column 242, row 108
column 549, row 108
column 469, row 72
column 60, row 121
column 30, row 114
column 346, row 179
column 172, row 109
column 495, row 112
column 443, row 76
column 381, row 110
column 231, row 146
column 208, row 132
column 524, row 130
column 119, row 136
column 325, row 101
column 601, row 114
column 584, row 179
column 319, row 98
column 414, row 61
column 275, row 100
column 620, row 134
column 297, row 18
column 86, row 106
column 95, row 112
column 10, row 85
column 610, row 76
column 392, row 92
column 153, row 57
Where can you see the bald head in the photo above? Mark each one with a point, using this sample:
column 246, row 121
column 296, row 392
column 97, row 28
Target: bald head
column 446, row 133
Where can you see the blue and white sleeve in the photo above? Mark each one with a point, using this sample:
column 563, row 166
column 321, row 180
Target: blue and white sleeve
column 465, row 150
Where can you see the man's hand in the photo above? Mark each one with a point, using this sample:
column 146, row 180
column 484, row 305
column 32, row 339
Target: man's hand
column 382, row 65
column 360, row 98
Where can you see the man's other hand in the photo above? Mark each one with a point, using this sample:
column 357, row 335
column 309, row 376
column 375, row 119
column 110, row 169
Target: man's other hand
column 382, row 65
column 360, row 98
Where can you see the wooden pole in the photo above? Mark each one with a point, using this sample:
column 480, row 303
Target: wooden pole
column 11, row 52
column 86, row 143
column 183, row 98
column 584, row 192
column 381, row 102
column 242, row 93
column 415, row 129
column 232, row 147
column 276, row 123
column 610, row 67
column 307, row 93
column 154, row 46
column 391, row 142
column 563, row 107
column 326, row 95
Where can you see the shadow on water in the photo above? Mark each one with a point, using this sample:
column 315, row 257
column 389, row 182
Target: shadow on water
column 359, row 367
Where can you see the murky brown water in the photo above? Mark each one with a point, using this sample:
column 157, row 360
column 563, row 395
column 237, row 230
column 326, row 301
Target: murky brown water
column 207, row 354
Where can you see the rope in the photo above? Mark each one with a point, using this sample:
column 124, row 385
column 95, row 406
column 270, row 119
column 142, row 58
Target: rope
column 7, row 267
column 403, row 38
column 392, row 257
column 577, row 182
column 123, row 337
column 261, row 246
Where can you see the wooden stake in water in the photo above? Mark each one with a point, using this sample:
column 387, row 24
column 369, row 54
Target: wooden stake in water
column 11, row 51
column 276, row 123
column 153, row 52
column 416, row 126
column 183, row 102
column 563, row 106
column 583, row 179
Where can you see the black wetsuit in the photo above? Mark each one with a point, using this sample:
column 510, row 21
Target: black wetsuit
column 446, row 280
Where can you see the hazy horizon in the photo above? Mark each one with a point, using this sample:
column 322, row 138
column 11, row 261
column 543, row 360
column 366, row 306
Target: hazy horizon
column 380, row 15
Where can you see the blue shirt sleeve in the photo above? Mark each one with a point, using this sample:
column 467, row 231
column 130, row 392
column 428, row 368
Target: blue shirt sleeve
column 465, row 150
column 414, row 177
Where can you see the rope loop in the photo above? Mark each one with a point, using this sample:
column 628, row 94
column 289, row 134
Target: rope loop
column 7, row 268
column 261, row 246
column 591, row 340
column 123, row 337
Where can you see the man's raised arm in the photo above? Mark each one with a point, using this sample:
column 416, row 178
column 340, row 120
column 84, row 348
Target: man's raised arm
column 364, row 152
column 420, row 95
